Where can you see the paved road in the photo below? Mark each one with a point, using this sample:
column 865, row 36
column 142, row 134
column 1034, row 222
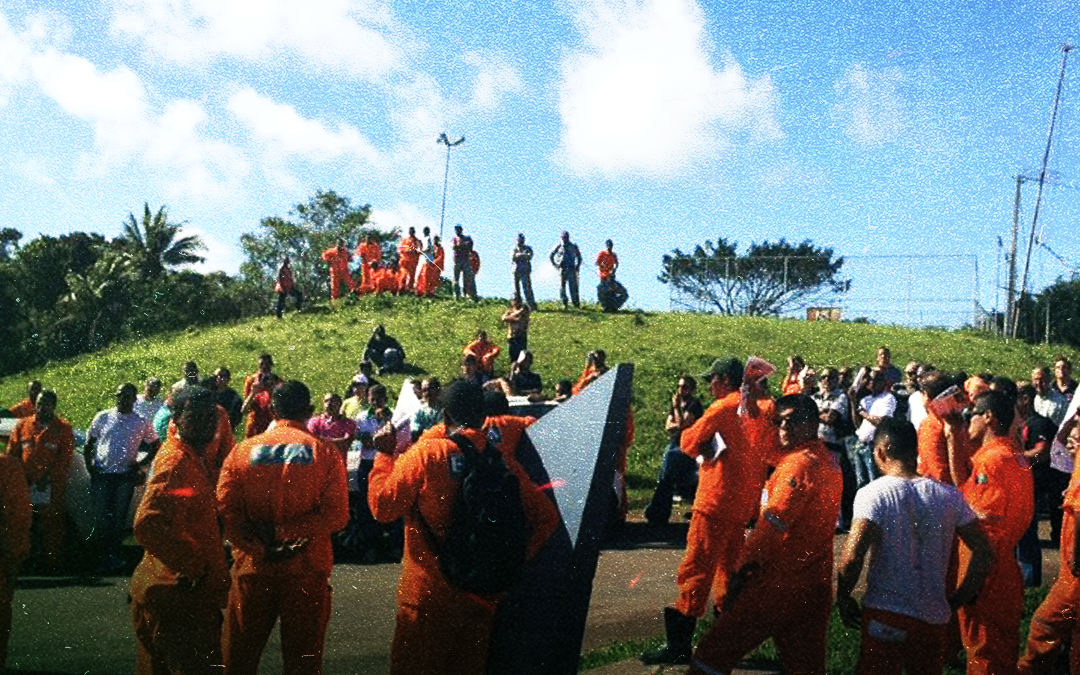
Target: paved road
column 82, row 626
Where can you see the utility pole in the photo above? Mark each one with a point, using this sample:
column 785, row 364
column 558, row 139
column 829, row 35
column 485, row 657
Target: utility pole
column 1011, row 299
column 446, row 176
column 1065, row 49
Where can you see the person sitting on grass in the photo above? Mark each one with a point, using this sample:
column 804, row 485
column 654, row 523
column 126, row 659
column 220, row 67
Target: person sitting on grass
column 485, row 352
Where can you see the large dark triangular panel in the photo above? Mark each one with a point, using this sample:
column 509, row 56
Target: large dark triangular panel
column 572, row 450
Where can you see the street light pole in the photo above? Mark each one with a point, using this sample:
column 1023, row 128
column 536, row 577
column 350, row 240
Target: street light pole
column 446, row 176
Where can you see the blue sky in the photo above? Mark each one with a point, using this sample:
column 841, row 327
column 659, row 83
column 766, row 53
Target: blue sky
column 872, row 127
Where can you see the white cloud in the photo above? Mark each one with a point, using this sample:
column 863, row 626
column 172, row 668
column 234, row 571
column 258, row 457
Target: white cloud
column 871, row 106
column 495, row 77
column 40, row 30
column 403, row 216
column 358, row 37
column 285, row 131
column 220, row 256
column 643, row 94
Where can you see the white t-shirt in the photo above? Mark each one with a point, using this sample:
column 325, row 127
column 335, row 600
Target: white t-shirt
column 118, row 439
column 916, row 408
column 882, row 405
column 147, row 409
column 918, row 520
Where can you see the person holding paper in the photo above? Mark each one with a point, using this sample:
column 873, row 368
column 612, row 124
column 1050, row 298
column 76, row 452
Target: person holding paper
column 944, row 452
column 729, row 486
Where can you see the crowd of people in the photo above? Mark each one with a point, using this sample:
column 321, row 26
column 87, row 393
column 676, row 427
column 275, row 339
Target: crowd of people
column 418, row 265
column 937, row 478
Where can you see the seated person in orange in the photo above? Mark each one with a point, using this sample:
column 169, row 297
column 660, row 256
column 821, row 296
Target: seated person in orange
column 440, row 628
column 26, row 407
column 607, row 261
column 485, row 352
column 385, row 279
column 595, row 366
column 783, row 587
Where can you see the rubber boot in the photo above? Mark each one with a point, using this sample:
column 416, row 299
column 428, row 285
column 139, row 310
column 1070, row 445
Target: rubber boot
column 680, row 634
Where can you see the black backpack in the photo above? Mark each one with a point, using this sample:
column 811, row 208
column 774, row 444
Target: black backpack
column 487, row 541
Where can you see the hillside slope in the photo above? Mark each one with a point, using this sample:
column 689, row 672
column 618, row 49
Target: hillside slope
column 323, row 348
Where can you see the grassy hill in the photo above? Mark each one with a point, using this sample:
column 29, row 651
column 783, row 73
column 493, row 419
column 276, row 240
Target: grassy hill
column 323, row 347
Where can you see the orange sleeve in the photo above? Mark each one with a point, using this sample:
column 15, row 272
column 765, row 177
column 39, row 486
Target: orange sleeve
column 394, row 483
column 331, row 512
column 934, row 452
column 329, row 254
column 62, row 466
column 15, row 514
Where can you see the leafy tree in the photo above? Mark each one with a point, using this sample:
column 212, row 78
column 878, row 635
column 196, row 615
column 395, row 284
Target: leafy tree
column 769, row 279
column 1062, row 300
column 41, row 265
column 9, row 243
column 95, row 306
column 315, row 226
column 155, row 244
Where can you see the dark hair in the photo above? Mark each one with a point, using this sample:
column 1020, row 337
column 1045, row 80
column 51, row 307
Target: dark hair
column 564, row 385
column 463, row 404
column 1005, row 386
column 47, row 394
column 689, row 380
column 905, row 440
column 376, row 391
column 1000, row 405
column 292, row 401
column 804, row 407
column 934, row 383
column 188, row 394
column 223, row 371
column 495, row 403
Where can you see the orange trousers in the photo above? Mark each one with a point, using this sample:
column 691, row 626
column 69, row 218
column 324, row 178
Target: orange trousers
column 892, row 643
column 336, row 279
column 991, row 628
column 448, row 635
column 178, row 632
column 409, row 265
column 1053, row 626
column 713, row 545
column 256, row 601
column 795, row 616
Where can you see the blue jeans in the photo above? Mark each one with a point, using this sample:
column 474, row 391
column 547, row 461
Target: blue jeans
column 862, row 461
column 678, row 474
column 111, row 493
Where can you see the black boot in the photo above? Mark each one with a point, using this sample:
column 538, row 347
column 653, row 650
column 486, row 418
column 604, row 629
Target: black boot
column 679, row 647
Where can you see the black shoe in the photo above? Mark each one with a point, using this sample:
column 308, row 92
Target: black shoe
column 679, row 647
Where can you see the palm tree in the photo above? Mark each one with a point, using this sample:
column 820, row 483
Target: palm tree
column 154, row 246
column 98, row 292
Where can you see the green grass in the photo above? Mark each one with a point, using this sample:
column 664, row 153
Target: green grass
column 323, row 347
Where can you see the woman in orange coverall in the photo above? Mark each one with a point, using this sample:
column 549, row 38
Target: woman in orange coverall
column 1054, row 624
column 180, row 587
column 441, row 629
column 1001, row 491
column 14, row 539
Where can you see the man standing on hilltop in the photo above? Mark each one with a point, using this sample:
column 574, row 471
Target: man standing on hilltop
column 566, row 257
column 409, row 256
column 464, row 278
column 338, row 258
column 522, row 259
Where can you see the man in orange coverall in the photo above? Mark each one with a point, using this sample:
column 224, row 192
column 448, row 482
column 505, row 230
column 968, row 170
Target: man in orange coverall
column 369, row 253
column 281, row 495
column 783, row 587
column 430, row 276
column 338, row 258
column 485, row 352
column 1054, row 624
column 944, row 454
column 730, row 479
column 409, row 256
column 1002, row 493
column 25, row 407
column 14, row 539
column 440, row 628
column 180, row 587
column 219, row 446
column 44, row 443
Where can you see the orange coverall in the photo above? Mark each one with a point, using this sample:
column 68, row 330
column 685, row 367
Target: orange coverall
column 218, row 449
column 729, row 490
column 431, row 274
column 251, row 380
column 368, row 253
column 485, row 354
column 607, row 262
column 46, row 459
column 441, row 629
column 182, row 583
column 409, row 257
column 24, row 408
column 789, row 596
column 1002, row 493
column 1054, row 623
column 339, row 270
column 934, row 453
column 259, row 416
column 386, row 282
column 14, row 539
column 288, row 479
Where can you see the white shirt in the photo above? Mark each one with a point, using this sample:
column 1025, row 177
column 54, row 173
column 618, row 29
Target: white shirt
column 916, row 408
column 118, row 439
column 882, row 405
column 148, row 408
column 918, row 519
column 1059, row 456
